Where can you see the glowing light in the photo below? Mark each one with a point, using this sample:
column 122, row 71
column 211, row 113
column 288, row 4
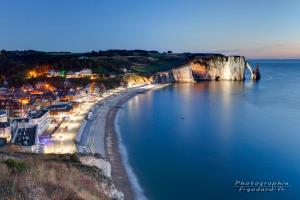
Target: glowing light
column 24, row 101
column 32, row 74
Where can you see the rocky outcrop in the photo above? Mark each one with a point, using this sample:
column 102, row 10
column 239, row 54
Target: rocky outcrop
column 105, row 168
column 182, row 74
column 164, row 77
column 214, row 67
column 134, row 80
column 256, row 73
column 101, row 164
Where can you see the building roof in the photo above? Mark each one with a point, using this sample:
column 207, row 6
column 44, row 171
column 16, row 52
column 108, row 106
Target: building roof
column 26, row 136
column 2, row 112
column 4, row 124
column 61, row 106
column 21, row 120
column 38, row 114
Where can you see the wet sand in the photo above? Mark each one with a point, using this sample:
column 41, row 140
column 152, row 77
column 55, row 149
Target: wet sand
column 119, row 175
column 112, row 149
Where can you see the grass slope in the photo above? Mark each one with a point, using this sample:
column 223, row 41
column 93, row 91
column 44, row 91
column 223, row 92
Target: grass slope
column 47, row 177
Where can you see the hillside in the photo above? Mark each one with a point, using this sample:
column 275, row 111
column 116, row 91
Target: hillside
column 47, row 177
column 134, row 79
column 15, row 65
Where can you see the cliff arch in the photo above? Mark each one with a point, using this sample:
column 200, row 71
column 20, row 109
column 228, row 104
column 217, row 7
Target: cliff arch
column 248, row 66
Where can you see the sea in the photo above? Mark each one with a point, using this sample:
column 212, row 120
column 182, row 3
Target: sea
column 216, row 139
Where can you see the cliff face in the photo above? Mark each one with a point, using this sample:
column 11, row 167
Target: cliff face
column 205, row 68
column 134, row 79
column 163, row 77
column 183, row 74
column 219, row 68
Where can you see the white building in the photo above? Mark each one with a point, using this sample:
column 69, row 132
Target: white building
column 27, row 130
column 3, row 90
column 27, row 137
column 86, row 72
column 3, row 116
column 42, row 119
column 53, row 73
column 5, row 132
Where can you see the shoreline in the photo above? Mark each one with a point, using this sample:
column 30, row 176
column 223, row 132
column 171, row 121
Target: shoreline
column 113, row 153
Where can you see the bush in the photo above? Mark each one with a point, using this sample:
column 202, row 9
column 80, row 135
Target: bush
column 16, row 166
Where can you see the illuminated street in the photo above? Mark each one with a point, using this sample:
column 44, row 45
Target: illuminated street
column 94, row 132
column 62, row 141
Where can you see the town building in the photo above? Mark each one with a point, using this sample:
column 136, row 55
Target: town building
column 41, row 119
column 13, row 107
column 60, row 108
column 27, row 137
column 53, row 73
column 3, row 116
column 5, row 131
column 79, row 74
column 3, row 90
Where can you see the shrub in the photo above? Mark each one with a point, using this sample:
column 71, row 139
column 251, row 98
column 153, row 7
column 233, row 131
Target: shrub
column 16, row 166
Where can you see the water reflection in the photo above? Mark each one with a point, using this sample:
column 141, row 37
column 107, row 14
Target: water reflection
column 201, row 137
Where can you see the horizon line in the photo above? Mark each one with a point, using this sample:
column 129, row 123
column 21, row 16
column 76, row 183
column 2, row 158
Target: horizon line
column 160, row 51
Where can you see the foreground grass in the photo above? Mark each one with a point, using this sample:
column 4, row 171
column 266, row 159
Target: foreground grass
column 50, row 177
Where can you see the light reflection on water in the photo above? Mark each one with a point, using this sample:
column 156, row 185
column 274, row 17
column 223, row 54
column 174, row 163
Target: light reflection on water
column 194, row 140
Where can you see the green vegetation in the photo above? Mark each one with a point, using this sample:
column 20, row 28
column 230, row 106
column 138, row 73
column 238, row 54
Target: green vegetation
column 33, row 176
column 16, row 166
column 15, row 66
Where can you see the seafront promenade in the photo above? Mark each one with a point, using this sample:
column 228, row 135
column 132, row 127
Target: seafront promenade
column 98, row 134
column 93, row 136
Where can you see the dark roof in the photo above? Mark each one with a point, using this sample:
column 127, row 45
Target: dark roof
column 4, row 124
column 21, row 120
column 65, row 106
column 38, row 114
column 26, row 136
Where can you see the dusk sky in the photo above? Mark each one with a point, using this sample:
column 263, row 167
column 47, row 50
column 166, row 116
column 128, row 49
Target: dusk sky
column 254, row 28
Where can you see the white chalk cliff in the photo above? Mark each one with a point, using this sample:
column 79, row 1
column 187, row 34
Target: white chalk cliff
column 214, row 67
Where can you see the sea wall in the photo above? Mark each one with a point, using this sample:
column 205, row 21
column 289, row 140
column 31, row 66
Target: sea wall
column 217, row 67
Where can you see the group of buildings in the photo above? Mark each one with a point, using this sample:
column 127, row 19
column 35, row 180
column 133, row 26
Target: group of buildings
column 71, row 74
column 5, row 131
column 27, row 112
column 26, row 132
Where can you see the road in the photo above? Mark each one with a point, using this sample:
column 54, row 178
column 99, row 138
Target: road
column 92, row 140
column 94, row 132
column 62, row 140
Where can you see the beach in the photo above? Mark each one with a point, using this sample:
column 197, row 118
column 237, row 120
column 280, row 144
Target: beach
column 119, row 174
column 100, row 135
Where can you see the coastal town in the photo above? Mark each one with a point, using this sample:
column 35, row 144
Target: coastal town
column 149, row 100
column 43, row 119
column 54, row 108
column 63, row 106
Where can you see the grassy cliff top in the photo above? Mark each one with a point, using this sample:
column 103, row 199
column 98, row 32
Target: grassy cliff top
column 32, row 176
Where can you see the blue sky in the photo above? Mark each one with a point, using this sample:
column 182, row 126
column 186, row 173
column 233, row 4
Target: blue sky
column 256, row 28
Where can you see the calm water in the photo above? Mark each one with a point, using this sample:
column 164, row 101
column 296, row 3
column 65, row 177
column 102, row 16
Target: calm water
column 192, row 141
